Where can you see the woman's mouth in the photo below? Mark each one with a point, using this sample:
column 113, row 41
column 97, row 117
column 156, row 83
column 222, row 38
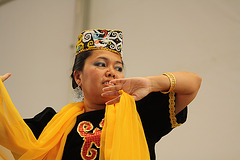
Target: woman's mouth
column 109, row 83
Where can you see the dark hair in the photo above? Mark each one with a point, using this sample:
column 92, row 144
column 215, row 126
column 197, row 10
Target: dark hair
column 79, row 64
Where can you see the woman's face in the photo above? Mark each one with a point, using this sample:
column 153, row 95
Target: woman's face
column 101, row 67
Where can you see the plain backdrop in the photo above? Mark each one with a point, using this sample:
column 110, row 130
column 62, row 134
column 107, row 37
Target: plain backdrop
column 37, row 40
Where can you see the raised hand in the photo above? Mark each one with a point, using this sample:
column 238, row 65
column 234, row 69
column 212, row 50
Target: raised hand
column 137, row 87
column 5, row 76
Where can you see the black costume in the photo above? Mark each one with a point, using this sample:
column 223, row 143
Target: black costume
column 83, row 142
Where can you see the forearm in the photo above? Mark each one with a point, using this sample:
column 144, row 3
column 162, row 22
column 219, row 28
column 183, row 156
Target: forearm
column 187, row 86
column 186, row 83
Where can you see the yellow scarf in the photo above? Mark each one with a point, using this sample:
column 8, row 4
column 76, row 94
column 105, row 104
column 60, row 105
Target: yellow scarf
column 122, row 136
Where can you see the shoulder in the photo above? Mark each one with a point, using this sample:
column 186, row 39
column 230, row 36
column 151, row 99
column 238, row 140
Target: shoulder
column 38, row 122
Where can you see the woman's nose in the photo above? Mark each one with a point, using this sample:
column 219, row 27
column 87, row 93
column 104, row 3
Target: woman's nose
column 110, row 73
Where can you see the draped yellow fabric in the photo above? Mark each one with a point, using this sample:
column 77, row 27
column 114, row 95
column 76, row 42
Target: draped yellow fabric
column 122, row 136
column 16, row 136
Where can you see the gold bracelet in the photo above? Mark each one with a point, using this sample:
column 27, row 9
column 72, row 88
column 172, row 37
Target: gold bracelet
column 172, row 82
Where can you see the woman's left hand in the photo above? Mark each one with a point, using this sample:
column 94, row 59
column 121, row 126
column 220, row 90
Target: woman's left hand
column 138, row 87
column 5, row 77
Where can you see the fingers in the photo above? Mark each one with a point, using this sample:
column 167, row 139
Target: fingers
column 118, row 85
column 113, row 91
column 118, row 81
column 112, row 88
column 5, row 77
column 113, row 101
column 135, row 98
column 110, row 94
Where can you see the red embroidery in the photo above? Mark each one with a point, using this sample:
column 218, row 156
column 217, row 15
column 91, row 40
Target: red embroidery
column 104, row 32
column 84, row 128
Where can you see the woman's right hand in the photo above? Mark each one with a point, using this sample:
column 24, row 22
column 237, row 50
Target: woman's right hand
column 5, row 76
column 137, row 87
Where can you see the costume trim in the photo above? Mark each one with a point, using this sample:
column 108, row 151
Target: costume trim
column 173, row 118
column 172, row 82
column 96, row 48
column 111, row 40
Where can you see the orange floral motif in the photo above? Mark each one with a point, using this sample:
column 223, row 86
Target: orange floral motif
column 84, row 129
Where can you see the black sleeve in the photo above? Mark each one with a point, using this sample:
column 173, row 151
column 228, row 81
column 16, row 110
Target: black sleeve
column 154, row 113
column 38, row 122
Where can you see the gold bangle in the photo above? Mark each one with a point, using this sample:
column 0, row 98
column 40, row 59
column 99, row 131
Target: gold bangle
column 172, row 82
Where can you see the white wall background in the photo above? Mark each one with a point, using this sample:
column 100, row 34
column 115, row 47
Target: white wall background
column 35, row 41
column 200, row 36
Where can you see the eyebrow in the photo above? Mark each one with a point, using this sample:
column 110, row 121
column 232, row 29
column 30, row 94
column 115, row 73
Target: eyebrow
column 104, row 58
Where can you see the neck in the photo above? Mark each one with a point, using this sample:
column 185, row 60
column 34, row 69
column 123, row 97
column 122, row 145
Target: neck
column 93, row 107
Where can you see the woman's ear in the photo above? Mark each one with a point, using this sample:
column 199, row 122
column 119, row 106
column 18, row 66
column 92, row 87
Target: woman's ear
column 77, row 77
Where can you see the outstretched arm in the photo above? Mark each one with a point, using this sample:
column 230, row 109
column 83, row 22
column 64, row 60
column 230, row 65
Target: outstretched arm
column 187, row 86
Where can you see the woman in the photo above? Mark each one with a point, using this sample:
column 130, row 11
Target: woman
column 98, row 72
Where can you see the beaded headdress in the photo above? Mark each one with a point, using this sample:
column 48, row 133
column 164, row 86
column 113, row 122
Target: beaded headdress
column 106, row 39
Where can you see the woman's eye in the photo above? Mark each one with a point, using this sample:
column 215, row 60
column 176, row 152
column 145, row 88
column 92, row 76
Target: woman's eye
column 119, row 68
column 100, row 64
